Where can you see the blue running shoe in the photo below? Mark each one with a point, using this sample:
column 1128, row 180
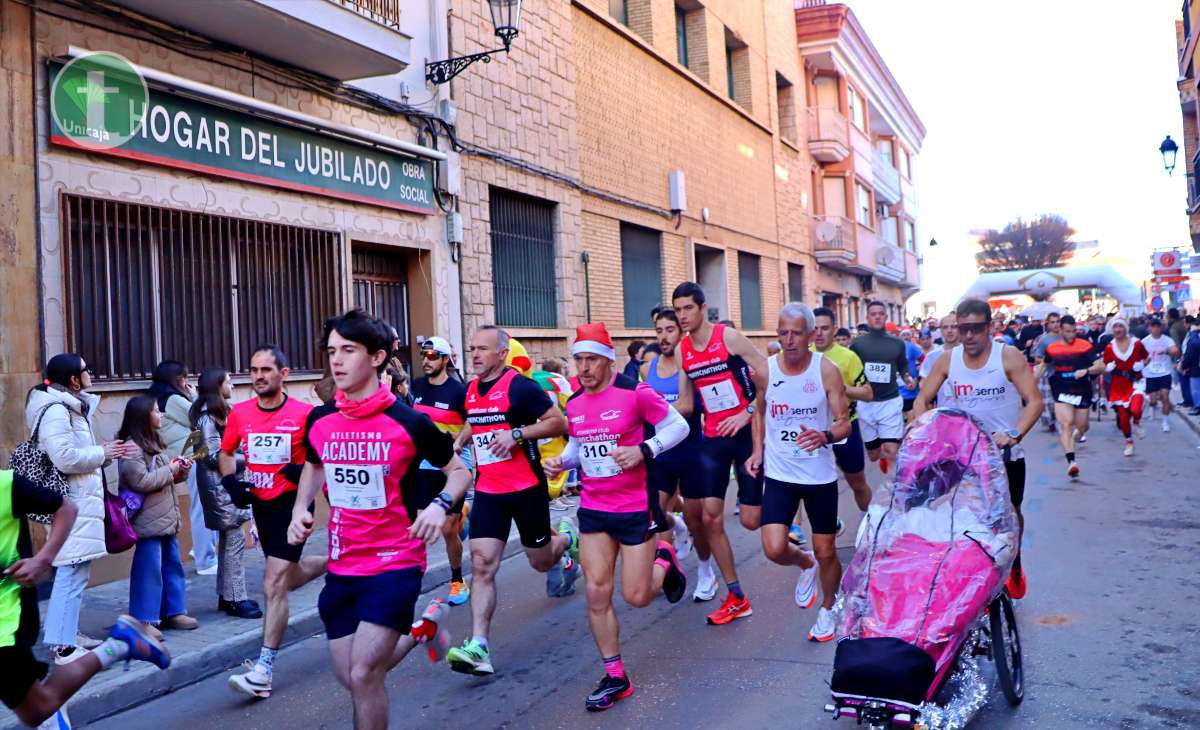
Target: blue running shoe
column 142, row 645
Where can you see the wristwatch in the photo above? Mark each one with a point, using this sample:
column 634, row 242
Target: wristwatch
column 1014, row 434
column 828, row 437
column 750, row 409
column 647, row 452
column 517, row 435
column 445, row 500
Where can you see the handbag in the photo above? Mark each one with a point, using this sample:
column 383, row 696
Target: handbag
column 31, row 462
column 118, row 532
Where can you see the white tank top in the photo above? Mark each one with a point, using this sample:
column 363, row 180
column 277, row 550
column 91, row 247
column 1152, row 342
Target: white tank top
column 793, row 401
column 986, row 393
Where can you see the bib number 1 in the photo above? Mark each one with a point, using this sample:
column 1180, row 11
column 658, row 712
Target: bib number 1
column 719, row 396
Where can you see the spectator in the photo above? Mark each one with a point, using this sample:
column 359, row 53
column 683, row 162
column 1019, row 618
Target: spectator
column 842, row 337
column 208, row 415
column 173, row 393
column 1177, row 326
column 1029, row 334
column 60, row 412
column 1190, row 365
column 634, row 367
column 156, row 580
column 774, row 348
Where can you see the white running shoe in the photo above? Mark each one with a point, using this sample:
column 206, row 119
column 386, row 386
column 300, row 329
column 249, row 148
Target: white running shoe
column 682, row 539
column 1139, row 431
column 210, row 570
column 823, row 628
column 75, row 654
column 706, row 584
column 1129, row 448
column 1166, row 425
column 806, row 585
column 256, row 682
column 1082, row 439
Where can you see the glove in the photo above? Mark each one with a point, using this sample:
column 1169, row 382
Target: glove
column 291, row 472
column 239, row 491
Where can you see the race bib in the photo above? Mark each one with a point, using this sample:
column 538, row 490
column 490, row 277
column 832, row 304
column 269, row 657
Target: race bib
column 596, row 459
column 353, row 486
column 1069, row 399
column 719, row 396
column 483, row 450
column 268, row 449
column 787, row 438
column 878, row 372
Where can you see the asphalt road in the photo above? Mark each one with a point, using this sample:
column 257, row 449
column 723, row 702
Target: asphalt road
column 1110, row 629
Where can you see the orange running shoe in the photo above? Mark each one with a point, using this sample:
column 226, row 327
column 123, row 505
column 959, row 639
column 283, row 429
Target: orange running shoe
column 732, row 608
column 883, row 465
column 1073, row 470
column 1015, row 585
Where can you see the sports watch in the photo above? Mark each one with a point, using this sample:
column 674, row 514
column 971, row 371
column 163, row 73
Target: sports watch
column 750, row 409
column 445, row 500
column 828, row 437
column 517, row 435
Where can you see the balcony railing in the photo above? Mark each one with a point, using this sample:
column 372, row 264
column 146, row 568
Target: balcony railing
column 889, row 260
column 887, row 179
column 833, row 233
column 385, row 12
column 828, row 134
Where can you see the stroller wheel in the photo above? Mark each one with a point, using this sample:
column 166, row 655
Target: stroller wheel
column 1006, row 649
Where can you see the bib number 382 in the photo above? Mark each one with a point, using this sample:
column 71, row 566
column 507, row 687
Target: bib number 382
column 355, row 486
column 878, row 372
column 269, row 448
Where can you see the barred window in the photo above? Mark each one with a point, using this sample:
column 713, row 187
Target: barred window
column 523, row 275
column 641, row 274
column 144, row 284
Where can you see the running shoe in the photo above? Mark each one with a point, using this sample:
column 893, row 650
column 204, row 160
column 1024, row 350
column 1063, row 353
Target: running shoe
column 560, row 580
column 706, row 587
column 1129, row 447
column 471, row 658
column 806, row 585
column 675, row 581
column 86, row 641
column 733, row 608
column 1139, row 431
column 66, row 655
column 823, row 629
column 682, row 539
column 567, row 528
column 1082, row 439
column 841, row 527
column 1016, row 584
column 256, row 682
column 459, row 593
column 60, row 720
column 883, row 465
column 560, row 504
column 1073, row 470
column 1166, row 425
column 796, row 535
column 142, row 646
column 607, row 693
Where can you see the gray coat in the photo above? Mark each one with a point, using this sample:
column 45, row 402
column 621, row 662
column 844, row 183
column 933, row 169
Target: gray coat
column 151, row 475
column 220, row 513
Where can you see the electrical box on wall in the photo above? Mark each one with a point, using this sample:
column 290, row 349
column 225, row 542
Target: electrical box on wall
column 678, row 190
column 454, row 228
column 449, row 174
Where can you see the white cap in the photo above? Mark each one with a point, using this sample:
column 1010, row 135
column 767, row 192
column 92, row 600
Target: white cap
column 436, row 344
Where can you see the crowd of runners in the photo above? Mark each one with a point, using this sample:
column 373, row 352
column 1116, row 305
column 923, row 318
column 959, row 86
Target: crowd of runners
column 655, row 448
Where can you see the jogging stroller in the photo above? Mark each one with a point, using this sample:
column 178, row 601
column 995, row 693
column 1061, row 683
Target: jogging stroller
column 923, row 596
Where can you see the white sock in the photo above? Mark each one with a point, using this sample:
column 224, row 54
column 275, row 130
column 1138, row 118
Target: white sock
column 111, row 652
column 706, row 567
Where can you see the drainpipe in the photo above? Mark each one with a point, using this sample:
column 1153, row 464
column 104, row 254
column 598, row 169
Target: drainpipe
column 587, row 283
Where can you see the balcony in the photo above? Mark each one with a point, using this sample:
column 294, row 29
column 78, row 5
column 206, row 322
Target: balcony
column 886, row 180
column 912, row 271
column 341, row 39
column 889, row 263
column 828, row 134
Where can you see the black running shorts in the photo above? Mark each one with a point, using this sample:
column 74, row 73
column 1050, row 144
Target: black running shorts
column 782, row 499
column 387, row 599
column 1016, row 480
column 717, row 455
column 492, row 515
column 851, row 456
column 627, row 528
column 273, row 517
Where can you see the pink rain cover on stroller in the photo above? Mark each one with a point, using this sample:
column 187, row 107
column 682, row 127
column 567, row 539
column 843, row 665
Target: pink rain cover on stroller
column 938, row 541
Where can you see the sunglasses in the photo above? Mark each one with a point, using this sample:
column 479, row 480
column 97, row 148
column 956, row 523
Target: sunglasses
column 972, row 328
column 432, row 354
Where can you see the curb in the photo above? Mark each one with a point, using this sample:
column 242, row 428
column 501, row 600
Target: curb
column 1192, row 422
column 146, row 683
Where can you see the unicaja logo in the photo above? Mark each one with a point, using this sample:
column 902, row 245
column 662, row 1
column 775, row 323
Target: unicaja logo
column 98, row 100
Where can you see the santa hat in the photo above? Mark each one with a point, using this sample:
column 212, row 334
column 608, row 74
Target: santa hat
column 593, row 338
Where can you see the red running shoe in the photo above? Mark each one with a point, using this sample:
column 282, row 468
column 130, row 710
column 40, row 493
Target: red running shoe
column 1015, row 585
column 883, row 465
column 732, row 608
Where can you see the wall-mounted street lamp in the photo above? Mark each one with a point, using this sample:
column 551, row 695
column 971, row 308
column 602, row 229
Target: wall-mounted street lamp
column 1169, row 150
column 506, row 19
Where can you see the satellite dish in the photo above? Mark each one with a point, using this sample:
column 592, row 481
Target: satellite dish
column 884, row 256
column 826, row 231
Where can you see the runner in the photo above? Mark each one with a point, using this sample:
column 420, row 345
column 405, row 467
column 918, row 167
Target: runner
column 1072, row 361
column 1162, row 351
column 989, row 380
column 364, row 449
column 885, row 363
column 443, row 399
column 731, row 376
column 618, row 512
column 1038, row 348
column 805, row 413
column 270, row 431
column 507, row 413
column 848, row 452
column 1124, row 359
column 667, row 471
column 25, row 687
column 913, row 355
column 945, row 394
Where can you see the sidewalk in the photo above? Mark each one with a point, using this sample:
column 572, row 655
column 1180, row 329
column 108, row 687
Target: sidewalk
column 221, row 641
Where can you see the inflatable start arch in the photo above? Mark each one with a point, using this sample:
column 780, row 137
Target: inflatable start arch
column 1041, row 283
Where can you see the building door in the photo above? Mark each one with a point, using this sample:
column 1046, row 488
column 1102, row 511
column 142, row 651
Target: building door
column 381, row 288
column 710, row 275
column 795, row 274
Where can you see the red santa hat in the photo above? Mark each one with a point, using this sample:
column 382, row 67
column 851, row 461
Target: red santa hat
column 593, row 338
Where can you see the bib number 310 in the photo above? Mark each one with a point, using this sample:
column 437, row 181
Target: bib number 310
column 596, row 459
column 355, row 486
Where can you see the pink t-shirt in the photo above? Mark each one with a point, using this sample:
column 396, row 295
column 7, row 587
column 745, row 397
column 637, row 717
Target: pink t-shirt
column 616, row 416
column 370, row 481
column 271, row 439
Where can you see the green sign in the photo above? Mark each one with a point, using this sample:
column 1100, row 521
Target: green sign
column 164, row 128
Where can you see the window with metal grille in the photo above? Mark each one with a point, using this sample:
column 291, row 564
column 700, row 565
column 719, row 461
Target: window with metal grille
column 641, row 274
column 750, row 291
column 523, row 272
column 145, row 284
column 795, row 282
column 381, row 287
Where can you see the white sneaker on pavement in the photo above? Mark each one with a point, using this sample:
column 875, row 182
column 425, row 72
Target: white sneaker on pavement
column 1166, row 425
column 1129, row 448
column 706, row 584
column 256, row 682
column 75, row 654
column 823, row 628
column 806, row 585
column 682, row 539
column 1139, row 431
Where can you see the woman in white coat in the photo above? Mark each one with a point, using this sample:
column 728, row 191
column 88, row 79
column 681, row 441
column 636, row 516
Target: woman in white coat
column 64, row 410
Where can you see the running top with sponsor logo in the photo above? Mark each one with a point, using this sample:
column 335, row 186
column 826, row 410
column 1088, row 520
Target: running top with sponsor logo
column 1065, row 359
column 445, row 404
column 851, row 368
column 1159, row 350
column 668, row 388
column 795, row 403
column 945, row 394
column 986, row 393
column 370, row 462
column 885, row 361
column 510, row 401
column 271, row 439
column 722, row 379
column 601, row 422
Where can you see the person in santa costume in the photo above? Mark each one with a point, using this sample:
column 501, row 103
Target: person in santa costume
column 1124, row 359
